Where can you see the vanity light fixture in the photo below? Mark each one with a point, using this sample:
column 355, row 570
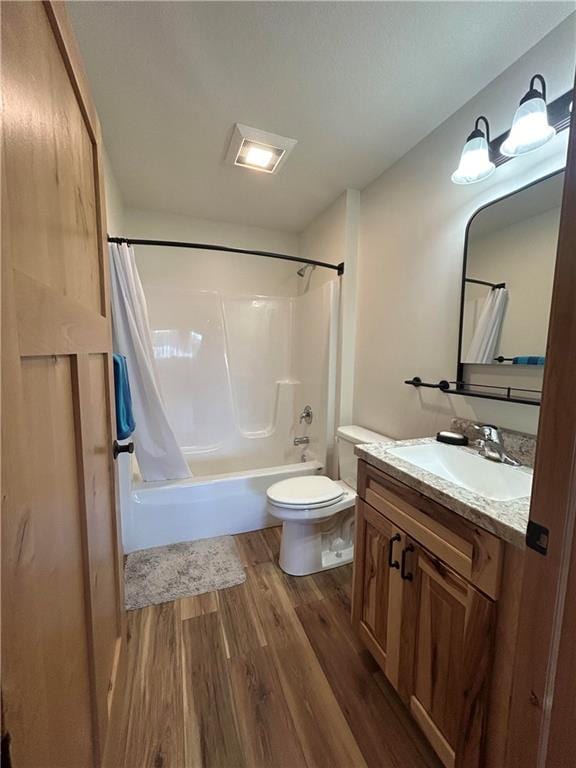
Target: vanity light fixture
column 258, row 150
column 475, row 163
column 530, row 128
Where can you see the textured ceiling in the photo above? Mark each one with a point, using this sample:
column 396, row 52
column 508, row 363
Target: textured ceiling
column 356, row 83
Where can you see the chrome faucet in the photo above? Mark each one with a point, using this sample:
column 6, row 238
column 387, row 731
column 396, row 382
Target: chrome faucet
column 306, row 415
column 302, row 440
column 490, row 445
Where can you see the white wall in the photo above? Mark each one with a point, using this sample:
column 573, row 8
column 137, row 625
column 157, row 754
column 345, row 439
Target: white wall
column 114, row 203
column 412, row 227
column 212, row 270
column 324, row 239
column 333, row 237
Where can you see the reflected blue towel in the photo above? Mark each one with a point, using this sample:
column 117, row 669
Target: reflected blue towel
column 528, row 360
column 124, row 418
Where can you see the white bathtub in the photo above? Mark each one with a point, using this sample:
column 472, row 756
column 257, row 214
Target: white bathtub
column 212, row 505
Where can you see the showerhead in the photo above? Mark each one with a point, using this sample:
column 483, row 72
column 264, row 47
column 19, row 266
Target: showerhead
column 302, row 271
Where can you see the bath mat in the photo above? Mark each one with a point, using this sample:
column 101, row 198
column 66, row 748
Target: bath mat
column 163, row 574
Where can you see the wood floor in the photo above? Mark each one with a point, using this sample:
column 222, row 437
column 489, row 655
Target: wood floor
column 267, row 674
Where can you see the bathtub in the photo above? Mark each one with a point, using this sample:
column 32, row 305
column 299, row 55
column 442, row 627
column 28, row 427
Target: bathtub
column 204, row 506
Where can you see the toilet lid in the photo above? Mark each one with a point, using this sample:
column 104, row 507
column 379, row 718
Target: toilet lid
column 306, row 491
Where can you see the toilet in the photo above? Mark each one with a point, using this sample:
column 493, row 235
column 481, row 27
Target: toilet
column 317, row 513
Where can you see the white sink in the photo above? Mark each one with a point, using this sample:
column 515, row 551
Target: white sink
column 499, row 482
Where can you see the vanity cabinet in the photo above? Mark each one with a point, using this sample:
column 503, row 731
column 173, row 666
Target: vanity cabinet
column 427, row 584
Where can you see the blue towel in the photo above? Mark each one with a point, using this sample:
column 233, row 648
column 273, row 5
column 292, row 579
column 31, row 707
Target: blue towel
column 528, row 360
column 124, row 419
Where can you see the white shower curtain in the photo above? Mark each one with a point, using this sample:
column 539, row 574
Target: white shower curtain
column 158, row 453
column 487, row 332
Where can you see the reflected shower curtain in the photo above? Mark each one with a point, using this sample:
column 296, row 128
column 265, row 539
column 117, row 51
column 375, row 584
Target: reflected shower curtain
column 487, row 332
column 157, row 450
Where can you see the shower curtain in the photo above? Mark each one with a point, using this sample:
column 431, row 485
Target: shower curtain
column 487, row 332
column 158, row 453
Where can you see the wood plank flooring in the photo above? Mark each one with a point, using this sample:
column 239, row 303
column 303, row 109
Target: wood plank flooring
column 267, row 674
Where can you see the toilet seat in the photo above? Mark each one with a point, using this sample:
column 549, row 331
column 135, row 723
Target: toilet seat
column 308, row 492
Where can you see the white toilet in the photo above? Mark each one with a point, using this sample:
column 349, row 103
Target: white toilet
column 317, row 513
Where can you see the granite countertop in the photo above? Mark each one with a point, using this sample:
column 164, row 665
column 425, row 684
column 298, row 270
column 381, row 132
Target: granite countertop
column 506, row 519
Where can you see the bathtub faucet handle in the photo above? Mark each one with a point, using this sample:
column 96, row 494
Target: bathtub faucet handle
column 306, row 415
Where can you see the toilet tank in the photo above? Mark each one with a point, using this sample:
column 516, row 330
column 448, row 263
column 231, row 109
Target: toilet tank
column 346, row 439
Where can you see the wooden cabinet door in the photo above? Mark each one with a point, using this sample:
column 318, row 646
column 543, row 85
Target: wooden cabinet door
column 62, row 616
column 445, row 665
column 377, row 598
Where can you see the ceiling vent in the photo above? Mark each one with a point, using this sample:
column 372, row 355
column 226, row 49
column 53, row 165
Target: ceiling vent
column 258, row 150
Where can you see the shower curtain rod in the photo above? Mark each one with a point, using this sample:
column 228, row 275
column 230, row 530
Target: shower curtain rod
column 208, row 247
column 484, row 282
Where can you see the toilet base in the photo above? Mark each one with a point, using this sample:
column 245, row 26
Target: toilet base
column 309, row 547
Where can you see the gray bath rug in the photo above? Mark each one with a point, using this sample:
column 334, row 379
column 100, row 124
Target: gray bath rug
column 162, row 574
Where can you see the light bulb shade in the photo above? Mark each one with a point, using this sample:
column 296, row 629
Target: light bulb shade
column 475, row 164
column 530, row 129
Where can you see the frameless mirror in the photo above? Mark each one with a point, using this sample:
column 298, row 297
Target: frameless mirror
column 507, row 282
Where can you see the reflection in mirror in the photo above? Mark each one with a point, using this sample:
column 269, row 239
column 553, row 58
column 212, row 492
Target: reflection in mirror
column 509, row 269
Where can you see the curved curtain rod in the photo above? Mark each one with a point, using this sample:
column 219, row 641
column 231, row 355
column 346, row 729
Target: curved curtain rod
column 208, row 247
column 484, row 282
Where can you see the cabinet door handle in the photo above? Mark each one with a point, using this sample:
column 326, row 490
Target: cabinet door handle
column 391, row 562
column 403, row 574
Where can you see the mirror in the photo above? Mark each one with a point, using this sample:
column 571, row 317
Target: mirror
column 509, row 263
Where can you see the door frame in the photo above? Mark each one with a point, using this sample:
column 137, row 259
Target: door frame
column 543, row 715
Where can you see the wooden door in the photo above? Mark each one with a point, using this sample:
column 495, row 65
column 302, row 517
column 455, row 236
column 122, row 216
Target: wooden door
column 62, row 621
column 446, row 651
column 377, row 598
